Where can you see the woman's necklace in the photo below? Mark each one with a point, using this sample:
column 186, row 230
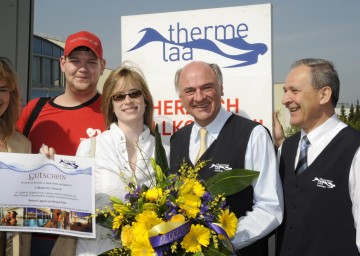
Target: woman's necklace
column 3, row 145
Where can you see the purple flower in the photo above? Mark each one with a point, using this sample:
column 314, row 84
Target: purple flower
column 172, row 210
column 116, row 233
column 207, row 197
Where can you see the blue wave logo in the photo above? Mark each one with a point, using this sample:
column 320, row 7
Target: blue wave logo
column 250, row 57
column 68, row 164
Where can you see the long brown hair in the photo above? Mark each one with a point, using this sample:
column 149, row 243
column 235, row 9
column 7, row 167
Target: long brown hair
column 12, row 113
column 130, row 75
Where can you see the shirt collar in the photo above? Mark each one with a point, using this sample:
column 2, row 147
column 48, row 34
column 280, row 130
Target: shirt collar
column 328, row 128
column 116, row 130
column 215, row 126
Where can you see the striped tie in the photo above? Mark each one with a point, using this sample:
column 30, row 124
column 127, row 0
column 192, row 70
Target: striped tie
column 203, row 146
column 302, row 163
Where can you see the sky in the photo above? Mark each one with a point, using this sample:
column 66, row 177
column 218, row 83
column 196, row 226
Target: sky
column 328, row 29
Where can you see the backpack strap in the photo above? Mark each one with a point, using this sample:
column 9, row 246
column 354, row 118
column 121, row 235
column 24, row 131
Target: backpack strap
column 34, row 114
column 93, row 147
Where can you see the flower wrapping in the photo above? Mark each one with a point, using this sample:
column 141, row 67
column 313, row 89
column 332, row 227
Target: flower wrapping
column 178, row 214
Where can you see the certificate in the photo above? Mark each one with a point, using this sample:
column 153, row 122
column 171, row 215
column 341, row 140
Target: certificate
column 48, row 196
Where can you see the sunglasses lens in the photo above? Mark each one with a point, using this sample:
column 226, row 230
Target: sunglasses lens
column 135, row 94
column 119, row 97
column 122, row 96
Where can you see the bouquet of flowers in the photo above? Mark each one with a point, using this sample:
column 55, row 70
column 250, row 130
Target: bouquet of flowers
column 180, row 214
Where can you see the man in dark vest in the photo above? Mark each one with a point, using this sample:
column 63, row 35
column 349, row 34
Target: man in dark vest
column 230, row 142
column 321, row 179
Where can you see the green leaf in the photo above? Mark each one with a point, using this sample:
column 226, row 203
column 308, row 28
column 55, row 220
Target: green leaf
column 116, row 200
column 160, row 154
column 231, row 182
column 220, row 251
column 159, row 174
column 105, row 221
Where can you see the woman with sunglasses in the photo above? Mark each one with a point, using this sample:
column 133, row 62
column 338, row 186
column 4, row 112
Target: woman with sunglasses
column 122, row 153
column 10, row 140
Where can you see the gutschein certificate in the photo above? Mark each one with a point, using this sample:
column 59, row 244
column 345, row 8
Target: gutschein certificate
column 48, row 196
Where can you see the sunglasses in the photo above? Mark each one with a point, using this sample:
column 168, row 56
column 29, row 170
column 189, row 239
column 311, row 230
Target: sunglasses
column 4, row 90
column 121, row 96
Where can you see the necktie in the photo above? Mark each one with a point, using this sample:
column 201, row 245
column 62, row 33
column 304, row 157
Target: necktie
column 203, row 147
column 302, row 163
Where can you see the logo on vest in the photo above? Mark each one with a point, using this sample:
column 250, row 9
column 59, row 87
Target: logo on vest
column 220, row 167
column 323, row 183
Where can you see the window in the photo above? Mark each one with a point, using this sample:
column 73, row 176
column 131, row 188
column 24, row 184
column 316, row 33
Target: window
column 57, row 74
column 47, row 78
column 47, row 48
column 37, row 45
column 47, row 72
column 36, row 71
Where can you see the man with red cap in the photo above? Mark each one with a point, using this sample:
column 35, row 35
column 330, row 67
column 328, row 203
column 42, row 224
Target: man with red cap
column 64, row 121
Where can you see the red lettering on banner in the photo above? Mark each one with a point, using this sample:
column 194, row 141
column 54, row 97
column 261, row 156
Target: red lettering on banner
column 167, row 129
column 179, row 108
column 232, row 106
column 177, row 125
column 174, row 107
column 157, row 107
column 167, row 107
column 260, row 121
column 163, row 131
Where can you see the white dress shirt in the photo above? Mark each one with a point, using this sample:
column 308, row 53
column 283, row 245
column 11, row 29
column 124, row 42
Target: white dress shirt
column 319, row 138
column 112, row 171
column 267, row 212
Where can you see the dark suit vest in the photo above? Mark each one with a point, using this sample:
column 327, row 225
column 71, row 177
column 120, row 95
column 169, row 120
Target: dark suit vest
column 227, row 150
column 318, row 218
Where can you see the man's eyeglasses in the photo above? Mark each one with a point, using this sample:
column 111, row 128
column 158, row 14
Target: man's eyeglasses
column 4, row 90
column 121, row 96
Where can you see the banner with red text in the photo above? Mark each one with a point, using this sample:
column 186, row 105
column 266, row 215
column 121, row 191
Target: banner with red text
column 238, row 39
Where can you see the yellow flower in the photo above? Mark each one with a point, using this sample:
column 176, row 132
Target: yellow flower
column 197, row 237
column 117, row 221
column 185, row 188
column 228, row 222
column 141, row 247
column 190, row 203
column 177, row 218
column 198, row 189
column 144, row 222
column 192, row 186
column 153, row 194
column 127, row 236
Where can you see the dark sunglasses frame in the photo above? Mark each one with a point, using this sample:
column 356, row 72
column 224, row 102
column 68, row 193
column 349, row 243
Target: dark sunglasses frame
column 118, row 97
column 4, row 89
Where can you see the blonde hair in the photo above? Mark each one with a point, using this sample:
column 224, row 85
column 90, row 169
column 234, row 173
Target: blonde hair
column 129, row 75
column 12, row 113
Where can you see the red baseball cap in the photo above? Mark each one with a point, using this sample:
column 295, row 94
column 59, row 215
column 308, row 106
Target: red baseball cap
column 83, row 38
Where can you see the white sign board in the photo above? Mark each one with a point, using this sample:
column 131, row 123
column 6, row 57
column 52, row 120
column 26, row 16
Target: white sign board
column 238, row 39
column 48, row 196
